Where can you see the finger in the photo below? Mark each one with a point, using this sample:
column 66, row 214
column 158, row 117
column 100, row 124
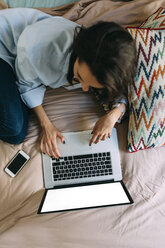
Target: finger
column 41, row 146
column 104, row 137
column 93, row 139
column 55, row 149
column 109, row 135
column 97, row 139
column 47, row 149
column 61, row 137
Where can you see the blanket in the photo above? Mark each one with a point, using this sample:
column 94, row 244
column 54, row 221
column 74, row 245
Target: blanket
column 141, row 225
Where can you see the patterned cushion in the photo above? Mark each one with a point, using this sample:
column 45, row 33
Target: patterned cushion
column 156, row 20
column 147, row 95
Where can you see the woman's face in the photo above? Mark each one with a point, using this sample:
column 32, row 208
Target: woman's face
column 83, row 74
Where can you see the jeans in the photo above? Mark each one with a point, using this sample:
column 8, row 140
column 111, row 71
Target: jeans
column 14, row 114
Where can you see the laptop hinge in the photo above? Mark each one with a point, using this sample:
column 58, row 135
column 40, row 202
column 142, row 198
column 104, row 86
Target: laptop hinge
column 83, row 184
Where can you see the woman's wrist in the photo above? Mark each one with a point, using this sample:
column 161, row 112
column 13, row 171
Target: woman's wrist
column 117, row 112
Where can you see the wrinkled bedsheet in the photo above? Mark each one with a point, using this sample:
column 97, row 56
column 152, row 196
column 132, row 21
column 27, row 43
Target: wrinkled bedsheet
column 141, row 225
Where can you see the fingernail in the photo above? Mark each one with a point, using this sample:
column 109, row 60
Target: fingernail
column 64, row 142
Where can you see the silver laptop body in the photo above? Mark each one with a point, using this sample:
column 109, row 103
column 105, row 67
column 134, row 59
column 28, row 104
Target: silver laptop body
column 77, row 143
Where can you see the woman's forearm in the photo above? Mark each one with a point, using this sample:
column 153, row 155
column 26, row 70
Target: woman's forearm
column 42, row 116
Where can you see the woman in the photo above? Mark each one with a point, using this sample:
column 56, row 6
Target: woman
column 38, row 50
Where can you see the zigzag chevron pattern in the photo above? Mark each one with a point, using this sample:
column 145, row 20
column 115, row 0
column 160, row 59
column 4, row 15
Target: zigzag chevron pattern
column 156, row 20
column 147, row 95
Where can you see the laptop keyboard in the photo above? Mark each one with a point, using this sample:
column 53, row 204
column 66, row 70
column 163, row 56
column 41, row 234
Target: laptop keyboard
column 82, row 166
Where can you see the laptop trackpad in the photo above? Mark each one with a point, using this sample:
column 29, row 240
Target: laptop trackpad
column 75, row 143
column 79, row 197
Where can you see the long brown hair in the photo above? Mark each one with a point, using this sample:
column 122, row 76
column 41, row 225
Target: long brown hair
column 110, row 52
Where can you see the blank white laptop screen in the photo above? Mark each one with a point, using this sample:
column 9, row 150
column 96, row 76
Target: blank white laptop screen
column 87, row 196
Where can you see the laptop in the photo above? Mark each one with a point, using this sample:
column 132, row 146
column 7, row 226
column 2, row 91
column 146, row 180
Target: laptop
column 85, row 176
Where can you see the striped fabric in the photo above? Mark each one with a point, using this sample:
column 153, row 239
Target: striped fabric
column 147, row 95
column 156, row 20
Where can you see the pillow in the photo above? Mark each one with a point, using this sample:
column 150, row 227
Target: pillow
column 156, row 20
column 147, row 95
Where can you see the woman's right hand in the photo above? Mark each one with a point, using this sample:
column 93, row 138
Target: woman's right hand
column 48, row 140
column 49, row 134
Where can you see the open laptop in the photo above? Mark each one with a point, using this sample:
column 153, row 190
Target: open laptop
column 85, row 176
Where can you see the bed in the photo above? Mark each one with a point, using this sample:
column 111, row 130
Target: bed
column 141, row 225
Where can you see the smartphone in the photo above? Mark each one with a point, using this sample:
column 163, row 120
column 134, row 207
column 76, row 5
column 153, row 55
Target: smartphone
column 17, row 163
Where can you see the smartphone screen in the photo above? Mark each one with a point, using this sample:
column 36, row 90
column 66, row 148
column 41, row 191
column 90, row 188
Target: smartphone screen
column 17, row 163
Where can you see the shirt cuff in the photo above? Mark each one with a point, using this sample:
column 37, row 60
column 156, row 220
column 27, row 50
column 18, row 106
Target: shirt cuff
column 123, row 110
column 123, row 100
column 117, row 104
column 34, row 97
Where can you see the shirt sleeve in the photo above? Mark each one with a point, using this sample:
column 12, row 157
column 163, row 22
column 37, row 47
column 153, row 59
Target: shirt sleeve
column 30, row 87
column 116, row 103
column 29, row 84
column 34, row 96
column 42, row 58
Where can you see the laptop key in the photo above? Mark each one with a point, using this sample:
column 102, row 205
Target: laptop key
column 55, row 164
column 83, row 156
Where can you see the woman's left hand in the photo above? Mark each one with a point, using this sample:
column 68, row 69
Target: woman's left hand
column 104, row 125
